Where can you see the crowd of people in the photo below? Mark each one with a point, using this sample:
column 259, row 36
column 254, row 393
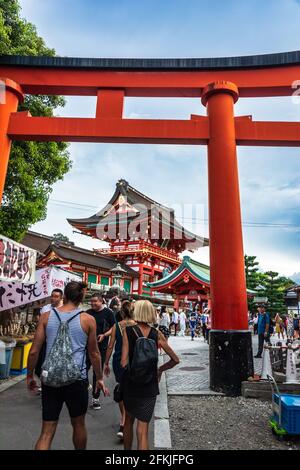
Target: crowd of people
column 282, row 326
column 125, row 336
column 70, row 341
column 195, row 321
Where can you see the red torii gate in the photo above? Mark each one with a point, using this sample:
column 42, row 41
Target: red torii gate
column 219, row 83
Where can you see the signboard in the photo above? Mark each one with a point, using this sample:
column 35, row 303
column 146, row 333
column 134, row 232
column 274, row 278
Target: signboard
column 17, row 262
column 16, row 294
column 260, row 300
column 98, row 287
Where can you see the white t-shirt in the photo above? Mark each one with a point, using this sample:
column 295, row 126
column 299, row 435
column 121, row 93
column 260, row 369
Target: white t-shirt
column 182, row 317
column 165, row 320
column 48, row 307
column 175, row 317
column 45, row 309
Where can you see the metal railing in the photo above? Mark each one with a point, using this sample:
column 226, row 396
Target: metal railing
column 142, row 247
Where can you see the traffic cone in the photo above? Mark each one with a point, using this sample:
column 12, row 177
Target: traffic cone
column 266, row 364
column 291, row 370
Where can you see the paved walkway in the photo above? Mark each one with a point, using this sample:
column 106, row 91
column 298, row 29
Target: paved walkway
column 21, row 413
column 191, row 376
column 21, row 420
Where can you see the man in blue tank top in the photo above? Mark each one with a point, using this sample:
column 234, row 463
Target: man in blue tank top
column 82, row 332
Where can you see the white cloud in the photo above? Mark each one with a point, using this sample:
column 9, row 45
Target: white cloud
column 178, row 174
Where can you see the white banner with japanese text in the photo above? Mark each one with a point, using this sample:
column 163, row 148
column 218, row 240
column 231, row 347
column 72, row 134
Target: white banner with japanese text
column 16, row 294
column 17, row 262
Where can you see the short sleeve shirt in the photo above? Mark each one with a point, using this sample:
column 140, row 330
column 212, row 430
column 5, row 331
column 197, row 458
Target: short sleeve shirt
column 263, row 321
column 105, row 319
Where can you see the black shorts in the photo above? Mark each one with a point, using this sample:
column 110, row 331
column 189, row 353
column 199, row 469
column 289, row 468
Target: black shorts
column 75, row 396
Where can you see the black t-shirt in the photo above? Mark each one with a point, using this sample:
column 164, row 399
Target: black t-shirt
column 105, row 319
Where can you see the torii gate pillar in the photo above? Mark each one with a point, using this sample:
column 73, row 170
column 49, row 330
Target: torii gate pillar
column 231, row 359
column 10, row 96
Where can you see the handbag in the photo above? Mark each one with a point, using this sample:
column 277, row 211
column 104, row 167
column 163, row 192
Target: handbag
column 118, row 393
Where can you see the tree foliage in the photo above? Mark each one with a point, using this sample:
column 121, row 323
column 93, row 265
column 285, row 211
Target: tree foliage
column 60, row 237
column 33, row 166
column 270, row 283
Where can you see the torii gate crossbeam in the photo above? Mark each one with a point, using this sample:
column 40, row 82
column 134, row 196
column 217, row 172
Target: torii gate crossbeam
column 219, row 82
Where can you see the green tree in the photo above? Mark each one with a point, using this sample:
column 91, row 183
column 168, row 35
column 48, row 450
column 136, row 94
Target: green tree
column 253, row 278
column 275, row 290
column 251, row 271
column 60, row 237
column 34, row 166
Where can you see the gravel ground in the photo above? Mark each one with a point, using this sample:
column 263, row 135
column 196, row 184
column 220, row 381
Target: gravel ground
column 223, row 423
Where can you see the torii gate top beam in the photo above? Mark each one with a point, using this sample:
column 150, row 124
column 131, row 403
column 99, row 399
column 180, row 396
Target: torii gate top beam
column 219, row 82
column 255, row 76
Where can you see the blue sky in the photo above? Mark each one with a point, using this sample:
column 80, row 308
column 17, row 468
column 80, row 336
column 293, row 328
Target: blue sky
column 269, row 177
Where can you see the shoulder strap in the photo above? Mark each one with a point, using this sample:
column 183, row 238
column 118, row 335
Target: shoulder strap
column 155, row 331
column 138, row 334
column 120, row 329
column 74, row 316
column 55, row 311
column 70, row 319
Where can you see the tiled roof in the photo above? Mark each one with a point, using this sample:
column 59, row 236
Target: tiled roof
column 45, row 244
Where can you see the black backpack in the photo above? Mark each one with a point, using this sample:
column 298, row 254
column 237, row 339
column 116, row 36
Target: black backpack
column 143, row 367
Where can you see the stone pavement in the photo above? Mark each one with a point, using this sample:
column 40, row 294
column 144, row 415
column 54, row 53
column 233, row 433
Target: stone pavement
column 191, row 376
column 20, row 422
column 213, row 421
column 21, row 413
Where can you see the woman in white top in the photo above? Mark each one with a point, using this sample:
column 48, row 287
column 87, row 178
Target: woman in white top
column 164, row 319
column 182, row 322
column 164, row 322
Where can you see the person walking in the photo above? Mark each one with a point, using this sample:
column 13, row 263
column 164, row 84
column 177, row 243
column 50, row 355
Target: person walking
column 115, row 344
column 174, row 321
column 69, row 333
column 203, row 320
column 141, row 377
column 255, row 324
column 56, row 301
column 208, row 326
column 290, row 326
column 296, row 326
column 279, row 326
column 182, row 323
column 284, row 325
column 164, row 322
column 115, row 303
column 262, row 329
column 193, row 324
column 105, row 320
column 199, row 322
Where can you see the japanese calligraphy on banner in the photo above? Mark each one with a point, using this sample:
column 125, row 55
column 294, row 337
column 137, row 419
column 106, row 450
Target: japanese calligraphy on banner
column 16, row 294
column 17, row 262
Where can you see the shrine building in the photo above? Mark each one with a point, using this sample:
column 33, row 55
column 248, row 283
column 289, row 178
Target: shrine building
column 142, row 234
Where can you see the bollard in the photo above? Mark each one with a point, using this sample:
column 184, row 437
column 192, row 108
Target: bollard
column 291, row 370
column 266, row 364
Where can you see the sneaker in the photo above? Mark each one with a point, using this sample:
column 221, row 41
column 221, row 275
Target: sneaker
column 120, row 432
column 96, row 404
